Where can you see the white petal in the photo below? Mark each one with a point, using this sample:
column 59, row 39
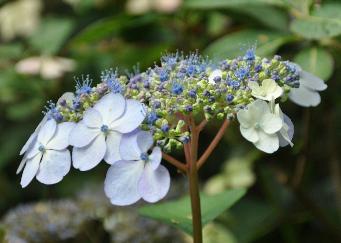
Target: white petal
column 154, row 184
column 245, row 118
column 81, row 135
column 68, row 97
column 30, row 171
column 145, row 140
column 132, row 117
column 113, row 147
column 304, row 97
column 249, row 134
column 286, row 133
column 311, row 81
column 60, row 140
column 88, row 157
column 33, row 151
column 92, row 118
column 110, row 106
column 129, row 149
column 121, row 182
column 271, row 123
column 47, row 131
column 155, row 158
column 54, row 166
column 267, row 143
column 29, row 143
column 21, row 165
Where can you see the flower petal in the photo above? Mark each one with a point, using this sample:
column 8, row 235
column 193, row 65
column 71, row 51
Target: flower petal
column 47, row 131
column 154, row 184
column 145, row 141
column 21, row 165
column 121, row 182
column 60, row 140
column 304, row 96
column 267, row 143
column 110, row 106
column 30, row 171
column 155, row 158
column 249, row 134
column 245, row 118
column 113, row 147
column 271, row 123
column 286, row 133
column 54, row 166
column 131, row 118
column 81, row 135
column 88, row 157
column 92, row 118
column 129, row 148
column 311, row 81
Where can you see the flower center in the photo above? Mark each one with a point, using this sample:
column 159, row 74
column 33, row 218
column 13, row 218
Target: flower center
column 105, row 129
column 41, row 148
column 257, row 125
column 144, row 157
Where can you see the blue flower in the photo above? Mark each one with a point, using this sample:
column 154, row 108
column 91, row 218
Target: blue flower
column 241, row 73
column 83, row 86
column 249, row 55
column 177, row 88
column 192, row 93
column 165, row 128
column 229, row 98
column 151, row 117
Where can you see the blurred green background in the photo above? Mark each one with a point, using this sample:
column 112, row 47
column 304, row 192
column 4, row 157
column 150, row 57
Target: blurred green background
column 293, row 195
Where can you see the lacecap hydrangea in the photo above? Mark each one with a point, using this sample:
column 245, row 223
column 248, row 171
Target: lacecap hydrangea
column 130, row 120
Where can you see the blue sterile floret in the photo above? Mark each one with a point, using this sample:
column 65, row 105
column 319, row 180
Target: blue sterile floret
column 181, row 84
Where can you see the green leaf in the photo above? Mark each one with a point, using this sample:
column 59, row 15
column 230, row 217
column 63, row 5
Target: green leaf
column 9, row 51
column 317, row 61
column 109, row 27
column 267, row 15
column 52, row 34
column 178, row 213
column 234, row 44
column 204, row 4
column 324, row 22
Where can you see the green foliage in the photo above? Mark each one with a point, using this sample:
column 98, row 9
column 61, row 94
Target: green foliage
column 178, row 213
column 234, row 44
column 51, row 35
column 227, row 3
column 317, row 61
column 323, row 22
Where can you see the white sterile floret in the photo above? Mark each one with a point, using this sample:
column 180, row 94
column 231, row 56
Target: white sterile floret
column 216, row 74
column 47, row 157
column 307, row 94
column 268, row 90
column 99, row 134
column 139, row 174
column 260, row 126
column 286, row 133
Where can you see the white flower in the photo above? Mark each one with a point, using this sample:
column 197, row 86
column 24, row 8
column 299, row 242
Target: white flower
column 19, row 18
column 216, row 74
column 139, row 174
column 268, row 90
column 46, row 155
column 259, row 126
column 47, row 67
column 99, row 134
column 307, row 94
column 286, row 133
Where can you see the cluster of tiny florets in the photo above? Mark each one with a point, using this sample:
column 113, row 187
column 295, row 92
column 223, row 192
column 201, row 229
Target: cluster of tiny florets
column 181, row 84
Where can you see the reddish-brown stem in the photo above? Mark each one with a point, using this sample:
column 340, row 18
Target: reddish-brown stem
column 194, row 183
column 180, row 166
column 187, row 150
column 202, row 125
column 213, row 144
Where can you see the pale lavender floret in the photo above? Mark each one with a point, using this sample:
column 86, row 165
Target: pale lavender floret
column 139, row 174
column 46, row 155
column 99, row 134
